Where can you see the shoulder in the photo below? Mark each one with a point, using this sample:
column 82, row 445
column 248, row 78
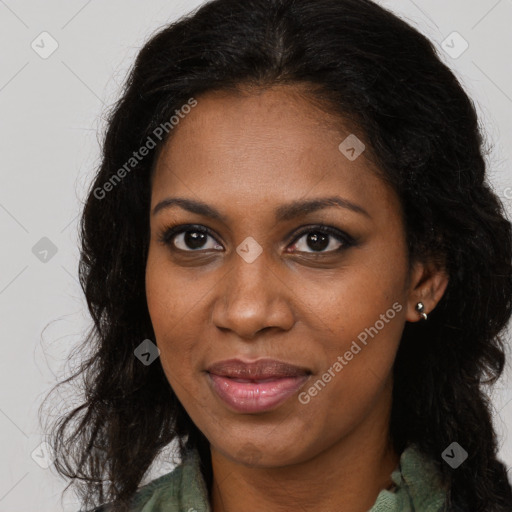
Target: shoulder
column 180, row 490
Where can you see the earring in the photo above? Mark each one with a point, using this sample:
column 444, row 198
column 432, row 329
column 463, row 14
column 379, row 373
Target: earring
column 419, row 308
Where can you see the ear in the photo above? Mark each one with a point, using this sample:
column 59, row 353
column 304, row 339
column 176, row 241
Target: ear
column 428, row 283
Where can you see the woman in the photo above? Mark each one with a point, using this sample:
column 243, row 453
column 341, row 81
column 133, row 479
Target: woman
column 297, row 272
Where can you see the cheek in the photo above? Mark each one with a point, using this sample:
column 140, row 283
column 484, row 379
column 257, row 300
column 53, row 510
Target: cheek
column 169, row 300
column 362, row 341
column 174, row 306
column 357, row 367
column 168, row 316
column 166, row 307
column 356, row 299
column 363, row 321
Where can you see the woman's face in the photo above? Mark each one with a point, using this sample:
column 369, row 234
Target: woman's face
column 265, row 283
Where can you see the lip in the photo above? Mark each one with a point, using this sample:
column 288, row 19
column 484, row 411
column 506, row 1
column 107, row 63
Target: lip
column 255, row 386
column 260, row 369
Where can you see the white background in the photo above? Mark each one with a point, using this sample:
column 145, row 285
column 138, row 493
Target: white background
column 51, row 112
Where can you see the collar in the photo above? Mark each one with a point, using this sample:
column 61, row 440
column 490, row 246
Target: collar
column 418, row 488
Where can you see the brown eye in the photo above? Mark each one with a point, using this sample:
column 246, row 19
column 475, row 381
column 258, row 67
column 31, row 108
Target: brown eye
column 189, row 238
column 321, row 238
column 193, row 239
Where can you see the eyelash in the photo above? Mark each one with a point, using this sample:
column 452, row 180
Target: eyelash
column 168, row 233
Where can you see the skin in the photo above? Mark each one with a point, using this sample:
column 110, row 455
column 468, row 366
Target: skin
column 246, row 155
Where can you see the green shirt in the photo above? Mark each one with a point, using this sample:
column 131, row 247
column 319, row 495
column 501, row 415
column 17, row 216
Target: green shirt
column 417, row 488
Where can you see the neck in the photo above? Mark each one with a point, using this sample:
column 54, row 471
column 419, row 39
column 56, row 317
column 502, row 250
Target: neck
column 347, row 476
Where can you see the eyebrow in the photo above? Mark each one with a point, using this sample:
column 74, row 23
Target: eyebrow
column 283, row 213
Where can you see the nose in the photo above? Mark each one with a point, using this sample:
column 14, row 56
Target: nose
column 251, row 298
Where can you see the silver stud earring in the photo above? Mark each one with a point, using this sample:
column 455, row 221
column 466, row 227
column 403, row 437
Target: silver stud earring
column 420, row 309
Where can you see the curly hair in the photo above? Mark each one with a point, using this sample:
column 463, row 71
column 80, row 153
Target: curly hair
column 370, row 68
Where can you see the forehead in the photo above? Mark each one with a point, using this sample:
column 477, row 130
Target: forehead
column 269, row 145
